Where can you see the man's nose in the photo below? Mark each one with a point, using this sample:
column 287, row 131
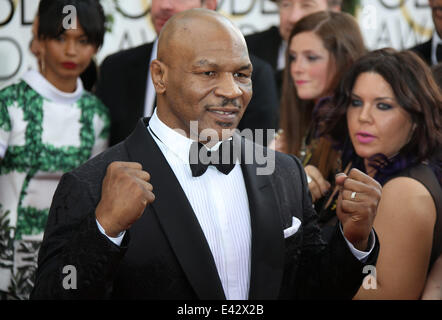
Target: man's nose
column 227, row 87
column 167, row 4
column 296, row 14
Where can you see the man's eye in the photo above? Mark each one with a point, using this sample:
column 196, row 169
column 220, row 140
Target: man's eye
column 307, row 6
column 209, row 73
column 285, row 4
column 241, row 75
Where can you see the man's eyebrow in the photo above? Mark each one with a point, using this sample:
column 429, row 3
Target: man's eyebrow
column 246, row 67
column 205, row 63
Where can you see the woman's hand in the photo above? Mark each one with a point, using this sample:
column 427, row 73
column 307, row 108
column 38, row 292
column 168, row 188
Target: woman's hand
column 317, row 185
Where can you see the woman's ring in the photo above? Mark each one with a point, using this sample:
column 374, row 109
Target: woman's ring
column 353, row 195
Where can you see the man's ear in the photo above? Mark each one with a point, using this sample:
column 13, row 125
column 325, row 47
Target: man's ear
column 209, row 4
column 158, row 71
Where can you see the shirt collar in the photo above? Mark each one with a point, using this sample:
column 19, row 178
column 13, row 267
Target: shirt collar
column 39, row 83
column 174, row 141
column 436, row 38
column 281, row 55
column 154, row 52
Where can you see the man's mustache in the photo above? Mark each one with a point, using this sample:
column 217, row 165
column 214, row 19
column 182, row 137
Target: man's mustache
column 225, row 102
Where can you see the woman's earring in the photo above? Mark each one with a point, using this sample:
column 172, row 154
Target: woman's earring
column 42, row 66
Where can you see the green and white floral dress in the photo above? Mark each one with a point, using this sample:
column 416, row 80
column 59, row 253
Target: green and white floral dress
column 44, row 132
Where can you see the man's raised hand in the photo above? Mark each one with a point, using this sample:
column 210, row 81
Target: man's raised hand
column 125, row 193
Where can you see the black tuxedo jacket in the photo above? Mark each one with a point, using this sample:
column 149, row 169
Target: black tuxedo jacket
column 265, row 45
column 122, row 88
column 164, row 255
column 424, row 51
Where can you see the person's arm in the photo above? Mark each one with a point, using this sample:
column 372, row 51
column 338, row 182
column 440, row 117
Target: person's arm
column 75, row 260
column 332, row 270
column 103, row 82
column 278, row 142
column 261, row 112
column 317, row 185
column 404, row 223
column 72, row 237
column 433, row 286
column 5, row 126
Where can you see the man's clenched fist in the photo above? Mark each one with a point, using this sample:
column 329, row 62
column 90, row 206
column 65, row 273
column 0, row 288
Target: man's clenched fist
column 125, row 193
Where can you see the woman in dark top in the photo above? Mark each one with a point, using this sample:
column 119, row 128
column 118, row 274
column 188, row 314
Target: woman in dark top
column 389, row 108
column 433, row 286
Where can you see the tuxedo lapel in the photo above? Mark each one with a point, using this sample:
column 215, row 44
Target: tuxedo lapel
column 176, row 215
column 267, row 237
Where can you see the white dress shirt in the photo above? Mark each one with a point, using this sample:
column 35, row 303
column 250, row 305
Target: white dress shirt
column 280, row 65
column 221, row 206
column 220, row 203
column 435, row 42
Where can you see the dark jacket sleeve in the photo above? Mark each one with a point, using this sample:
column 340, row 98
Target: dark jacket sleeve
column 75, row 260
column 320, row 270
column 262, row 111
column 263, row 107
column 104, row 83
column 424, row 51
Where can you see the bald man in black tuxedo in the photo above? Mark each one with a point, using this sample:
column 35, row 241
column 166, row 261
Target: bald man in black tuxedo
column 137, row 222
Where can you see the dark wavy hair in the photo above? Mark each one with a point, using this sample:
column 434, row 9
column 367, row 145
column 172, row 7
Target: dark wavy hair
column 90, row 16
column 415, row 91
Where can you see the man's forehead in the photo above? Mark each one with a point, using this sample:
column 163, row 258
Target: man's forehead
column 211, row 38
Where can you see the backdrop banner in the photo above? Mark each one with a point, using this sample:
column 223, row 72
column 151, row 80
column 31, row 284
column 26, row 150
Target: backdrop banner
column 396, row 23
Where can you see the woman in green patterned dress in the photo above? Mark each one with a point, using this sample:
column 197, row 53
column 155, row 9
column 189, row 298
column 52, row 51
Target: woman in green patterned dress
column 48, row 125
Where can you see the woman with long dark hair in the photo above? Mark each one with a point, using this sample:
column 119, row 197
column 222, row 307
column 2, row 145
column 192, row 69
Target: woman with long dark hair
column 387, row 118
column 321, row 48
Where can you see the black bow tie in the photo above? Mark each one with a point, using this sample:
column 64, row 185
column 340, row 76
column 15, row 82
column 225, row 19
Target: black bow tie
column 200, row 158
column 439, row 53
